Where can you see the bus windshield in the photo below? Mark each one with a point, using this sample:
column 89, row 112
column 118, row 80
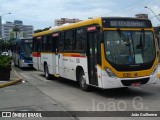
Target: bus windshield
column 129, row 47
column 27, row 49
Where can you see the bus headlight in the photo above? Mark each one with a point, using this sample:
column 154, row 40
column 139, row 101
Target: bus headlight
column 23, row 61
column 109, row 72
column 154, row 70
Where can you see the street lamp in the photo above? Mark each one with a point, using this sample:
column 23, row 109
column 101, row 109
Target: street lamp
column 1, row 23
column 152, row 12
column 5, row 14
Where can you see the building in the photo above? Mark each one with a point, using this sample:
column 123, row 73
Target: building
column 143, row 16
column 7, row 30
column 59, row 22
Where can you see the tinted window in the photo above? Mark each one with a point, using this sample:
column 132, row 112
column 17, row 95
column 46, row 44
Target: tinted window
column 80, row 40
column 61, row 43
column 69, row 39
column 46, row 43
column 34, row 44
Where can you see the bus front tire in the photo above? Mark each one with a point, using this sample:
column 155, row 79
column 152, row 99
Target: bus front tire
column 82, row 82
column 46, row 72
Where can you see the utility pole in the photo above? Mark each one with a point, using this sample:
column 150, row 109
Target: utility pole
column 1, row 23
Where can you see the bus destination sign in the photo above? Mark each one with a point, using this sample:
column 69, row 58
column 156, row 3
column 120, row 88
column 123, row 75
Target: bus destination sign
column 126, row 23
column 116, row 23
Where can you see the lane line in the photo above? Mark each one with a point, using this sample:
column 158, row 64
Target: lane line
column 44, row 80
column 25, row 76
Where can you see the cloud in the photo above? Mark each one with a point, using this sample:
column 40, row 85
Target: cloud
column 42, row 13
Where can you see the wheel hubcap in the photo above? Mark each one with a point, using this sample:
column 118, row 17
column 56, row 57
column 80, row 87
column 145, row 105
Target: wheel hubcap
column 83, row 81
column 46, row 71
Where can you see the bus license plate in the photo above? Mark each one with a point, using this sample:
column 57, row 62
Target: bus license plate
column 136, row 84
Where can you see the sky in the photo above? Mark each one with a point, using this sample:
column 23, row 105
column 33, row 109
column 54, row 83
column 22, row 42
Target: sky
column 42, row 13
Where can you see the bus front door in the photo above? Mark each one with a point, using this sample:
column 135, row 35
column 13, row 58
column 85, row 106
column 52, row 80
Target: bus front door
column 92, row 57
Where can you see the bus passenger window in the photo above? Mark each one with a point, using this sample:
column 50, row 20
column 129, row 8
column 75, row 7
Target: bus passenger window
column 61, row 43
column 49, row 43
column 69, row 38
column 80, row 40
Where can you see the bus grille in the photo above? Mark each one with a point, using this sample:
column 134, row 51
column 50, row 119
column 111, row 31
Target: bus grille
column 129, row 82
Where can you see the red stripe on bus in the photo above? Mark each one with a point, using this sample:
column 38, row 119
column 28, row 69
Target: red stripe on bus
column 76, row 56
column 36, row 54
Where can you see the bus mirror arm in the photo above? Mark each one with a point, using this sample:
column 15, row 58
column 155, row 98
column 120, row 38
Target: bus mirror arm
column 98, row 27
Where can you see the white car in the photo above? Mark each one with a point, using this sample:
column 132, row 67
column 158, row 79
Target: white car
column 5, row 53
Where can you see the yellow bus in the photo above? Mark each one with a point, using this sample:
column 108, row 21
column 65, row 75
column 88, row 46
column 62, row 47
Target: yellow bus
column 104, row 52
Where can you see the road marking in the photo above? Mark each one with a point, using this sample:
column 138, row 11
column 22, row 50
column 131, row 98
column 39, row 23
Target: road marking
column 13, row 78
column 17, row 73
column 25, row 76
column 44, row 80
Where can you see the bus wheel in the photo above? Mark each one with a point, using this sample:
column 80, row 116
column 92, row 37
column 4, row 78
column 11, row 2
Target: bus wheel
column 82, row 82
column 46, row 72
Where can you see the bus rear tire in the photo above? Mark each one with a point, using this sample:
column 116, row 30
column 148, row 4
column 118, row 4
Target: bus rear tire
column 82, row 82
column 46, row 72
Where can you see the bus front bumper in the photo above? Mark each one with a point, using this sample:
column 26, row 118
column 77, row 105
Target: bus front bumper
column 108, row 82
column 26, row 64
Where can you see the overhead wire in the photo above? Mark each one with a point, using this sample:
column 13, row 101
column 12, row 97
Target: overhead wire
column 139, row 4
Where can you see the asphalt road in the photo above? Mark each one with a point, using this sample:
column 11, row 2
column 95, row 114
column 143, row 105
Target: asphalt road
column 68, row 94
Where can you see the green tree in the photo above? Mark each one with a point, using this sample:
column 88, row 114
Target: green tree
column 16, row 30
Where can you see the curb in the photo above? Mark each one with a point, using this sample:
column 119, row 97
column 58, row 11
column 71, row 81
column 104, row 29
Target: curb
column 12, row 82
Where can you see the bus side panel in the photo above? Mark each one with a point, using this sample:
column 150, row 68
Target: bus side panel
column 99, row 76
column 36, row 63
column 53, row 63
column 46, row 58
column 68, row 65
column 61, row 66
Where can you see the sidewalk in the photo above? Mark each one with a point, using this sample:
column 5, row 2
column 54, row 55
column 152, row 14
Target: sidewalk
column 14, row 79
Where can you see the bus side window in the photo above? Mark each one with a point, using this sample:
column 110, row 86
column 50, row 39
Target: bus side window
column 80, row 40
column 44, row 43
column 69, row 39
column 61, row 43
column 34, row 44
column 49, row 42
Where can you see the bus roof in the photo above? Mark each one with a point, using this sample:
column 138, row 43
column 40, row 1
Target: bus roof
column 70, row 26
column 83, row 23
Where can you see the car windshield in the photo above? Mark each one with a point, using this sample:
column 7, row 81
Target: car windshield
column 129, row 47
